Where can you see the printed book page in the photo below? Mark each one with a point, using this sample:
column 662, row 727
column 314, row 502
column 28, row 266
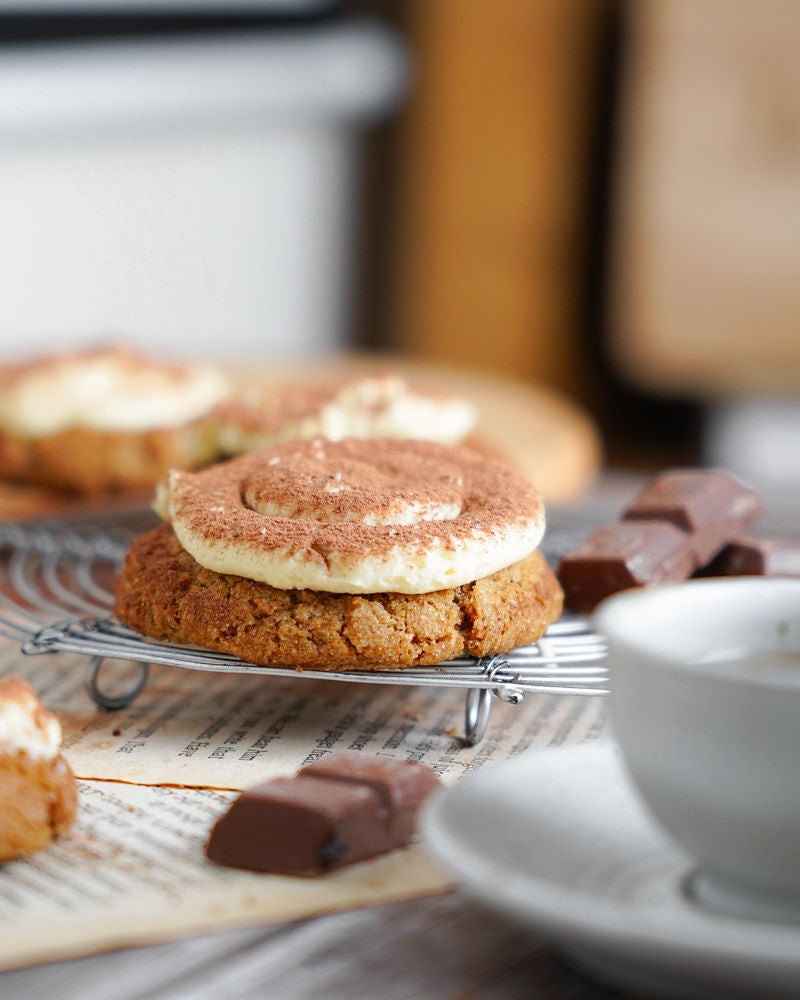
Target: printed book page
column 155, row 776
column 132, row 871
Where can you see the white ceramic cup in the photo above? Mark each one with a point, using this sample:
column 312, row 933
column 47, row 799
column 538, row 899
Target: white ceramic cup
column 714, row 751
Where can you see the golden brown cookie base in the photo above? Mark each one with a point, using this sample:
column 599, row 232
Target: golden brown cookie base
column 91, row 462
column 38, row 800
column 165, row 594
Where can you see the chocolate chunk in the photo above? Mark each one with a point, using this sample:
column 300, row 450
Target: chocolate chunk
column 621, row 555
column 299, row 827
column 752, row 556
column 401, row 785
column 341, row 809
column 710, row 504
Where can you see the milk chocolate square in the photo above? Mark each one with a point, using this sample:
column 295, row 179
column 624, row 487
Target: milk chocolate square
column 401, row 785
column 754, row 556
column 344, row 808
column 621, row 555
column 711, row 505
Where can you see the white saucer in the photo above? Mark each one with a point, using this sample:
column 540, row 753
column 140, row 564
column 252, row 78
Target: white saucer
column 557, row 840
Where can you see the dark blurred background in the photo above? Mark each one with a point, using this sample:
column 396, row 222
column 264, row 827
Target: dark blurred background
column 597, row 196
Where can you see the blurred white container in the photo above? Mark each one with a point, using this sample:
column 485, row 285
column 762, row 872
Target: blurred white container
column 196, row 194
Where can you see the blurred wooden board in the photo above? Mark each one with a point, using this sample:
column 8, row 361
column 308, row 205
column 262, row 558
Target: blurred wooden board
column 488, row 236
column 19, row 501
column 707, row 286
column 22, row 502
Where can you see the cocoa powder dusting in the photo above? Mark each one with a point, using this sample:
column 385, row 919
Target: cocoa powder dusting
column 377, row 473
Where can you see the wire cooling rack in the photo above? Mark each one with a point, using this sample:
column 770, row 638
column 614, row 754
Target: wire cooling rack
column 56, row 595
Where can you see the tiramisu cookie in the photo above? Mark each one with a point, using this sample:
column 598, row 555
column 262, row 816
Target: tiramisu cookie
column 345, row 555
column 105, row 420
column 38, row 796
column 383, row 406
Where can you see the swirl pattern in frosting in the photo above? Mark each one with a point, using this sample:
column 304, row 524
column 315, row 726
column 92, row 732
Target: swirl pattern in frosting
column 356, row 516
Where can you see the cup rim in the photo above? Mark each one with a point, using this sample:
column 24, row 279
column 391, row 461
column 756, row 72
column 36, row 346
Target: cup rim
column 615, row 618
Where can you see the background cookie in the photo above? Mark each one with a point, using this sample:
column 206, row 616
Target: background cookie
column 105, row 420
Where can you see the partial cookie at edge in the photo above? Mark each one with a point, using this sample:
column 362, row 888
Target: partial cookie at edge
column 38, row 794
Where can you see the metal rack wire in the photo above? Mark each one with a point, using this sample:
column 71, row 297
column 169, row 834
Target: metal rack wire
column 56, row 595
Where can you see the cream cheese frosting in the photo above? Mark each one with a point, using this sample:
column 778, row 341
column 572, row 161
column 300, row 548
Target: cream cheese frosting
column 385, row 406
column 107, row 389
column 26, row 727
column 355, row 516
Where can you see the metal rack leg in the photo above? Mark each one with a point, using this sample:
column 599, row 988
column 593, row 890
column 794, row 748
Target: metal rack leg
column 113, row 703
column 477, row 709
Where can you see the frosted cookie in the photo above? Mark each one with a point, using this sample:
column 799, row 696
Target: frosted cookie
column 345, row 555
column 105, row 420
column 38, row 796
column 384, row 406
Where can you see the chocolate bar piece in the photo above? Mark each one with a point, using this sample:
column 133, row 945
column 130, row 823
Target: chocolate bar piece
column 710, row 504
column 400, row 785
column 343, row 808
column 752, row 556
column 621, row 555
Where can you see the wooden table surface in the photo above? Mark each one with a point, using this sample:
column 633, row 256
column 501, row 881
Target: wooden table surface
column 442, row 948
